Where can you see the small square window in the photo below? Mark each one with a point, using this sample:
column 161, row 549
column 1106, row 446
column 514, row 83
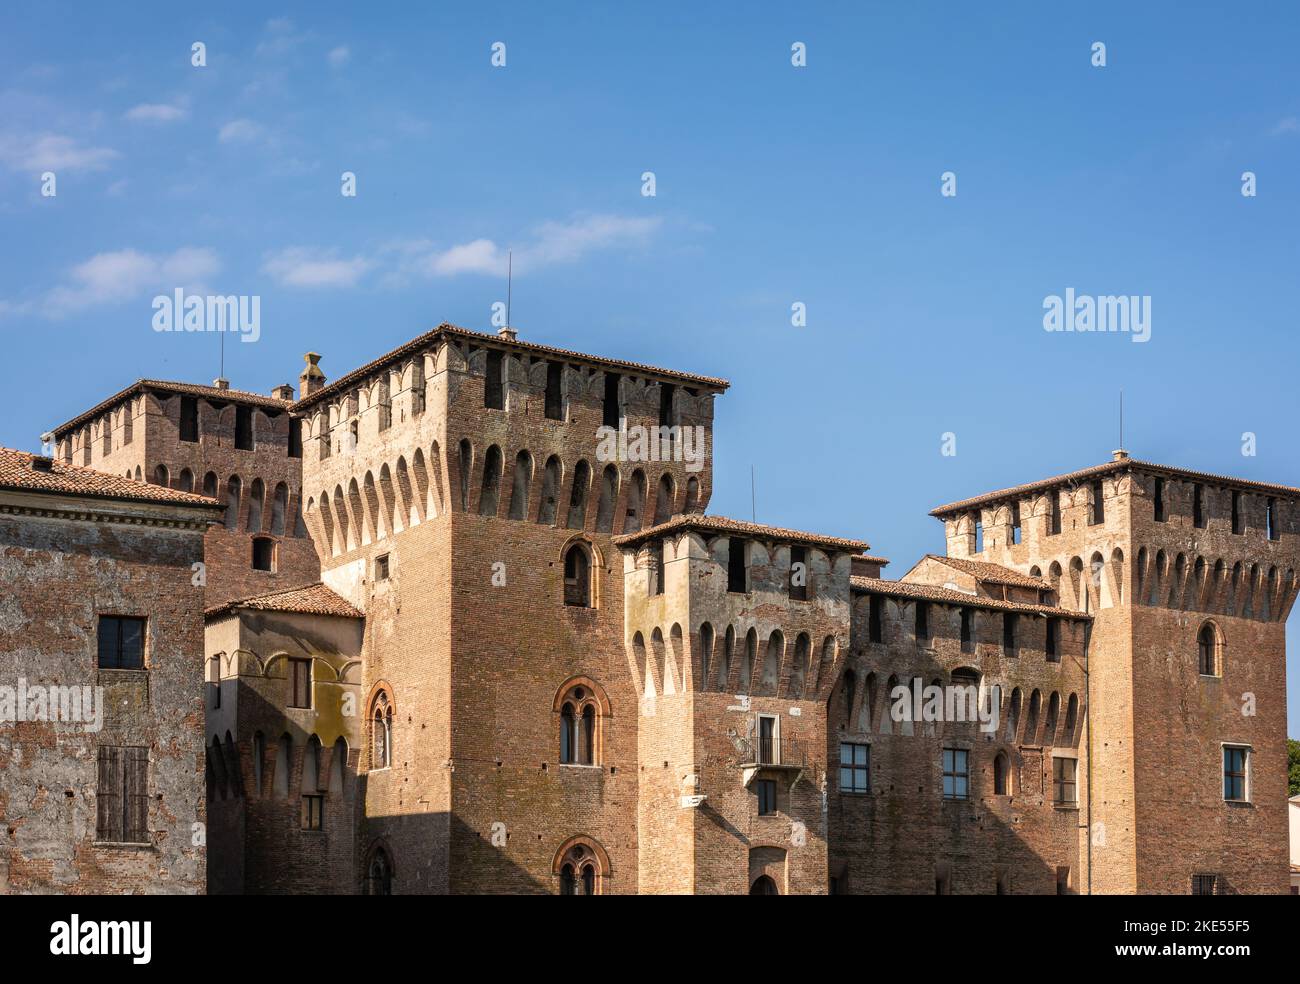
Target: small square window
column 956, row 774
column 1203, row 884
column 766, row 789
column 121, row 642
column 263, row 554
column 855, row 771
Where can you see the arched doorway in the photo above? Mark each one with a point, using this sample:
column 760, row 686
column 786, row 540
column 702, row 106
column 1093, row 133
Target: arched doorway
column 763, row 885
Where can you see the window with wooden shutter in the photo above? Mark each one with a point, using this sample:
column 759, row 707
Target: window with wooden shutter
column 122, row 795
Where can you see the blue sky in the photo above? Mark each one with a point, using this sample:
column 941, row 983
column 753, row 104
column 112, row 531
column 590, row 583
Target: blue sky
column 775, row 185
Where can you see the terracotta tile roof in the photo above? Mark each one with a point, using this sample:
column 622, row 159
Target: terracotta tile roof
column 186, row 389
column 452, row 331
column 16, row 472
column 1119, row 465
column 721, row 524
column 882, row 561
column 994, row 573
column 314, row 599
column 928, row 592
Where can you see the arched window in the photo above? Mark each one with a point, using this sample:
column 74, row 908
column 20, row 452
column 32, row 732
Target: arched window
column 186, row 481
column 577, row 576
column 283, row 764
column 487, row 503
column 519, row 487
column 210, row 485
column 608, row 499
column 1053, row 715
column 706, row 654
column 582, row 709
column 279, row 506
column 664, row 497
column 692, row 495
column 381, row 732
column 1071, row 719
column 635, row 500
column 578, row 496
column 379, row 873
column 1207, row 646
column 550, row 491
column 256, row 497
column 1001, row 768
column 160, row 476
column 233, row 489
column 582, row 867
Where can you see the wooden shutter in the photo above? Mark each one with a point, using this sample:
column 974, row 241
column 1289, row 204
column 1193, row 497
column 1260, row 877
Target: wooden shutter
column 136, row 795
column 108, row 795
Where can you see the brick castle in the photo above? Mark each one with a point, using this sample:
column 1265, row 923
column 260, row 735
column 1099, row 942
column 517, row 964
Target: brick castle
column 420, row 631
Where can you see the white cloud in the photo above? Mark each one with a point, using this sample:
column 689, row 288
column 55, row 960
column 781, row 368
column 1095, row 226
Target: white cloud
column 301, row 266
column 339, row 56
column 120, row 275
column 156, row 113
column 52, row 152
column 1289, row 125
column 239, row 131
column 550, row 244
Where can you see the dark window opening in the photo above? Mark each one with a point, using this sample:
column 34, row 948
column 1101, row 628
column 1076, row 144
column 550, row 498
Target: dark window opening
column 381, row 567
column 611, row 410
column 300, row 683
column 967, row 630
column 295, row 437
column 189, row 419
column 313, row 806
column 657, row 568
column 766, row 790
column 243, row 428
column 577, row 578
column 1198, row 506
column 1054, row 520
column 121, row 643
column 492, row 389
column 1160, row 500
column 1271, row 517
column 1236, row 512
column 263, row 554
column 1098, row 504
column 1015, row 522
column 875, row 619
column 1009, row 633
column 554, row 396
column 1053, row 629
column 737, row 571
column 799, row 573
column 666, row 393
column 922, row 621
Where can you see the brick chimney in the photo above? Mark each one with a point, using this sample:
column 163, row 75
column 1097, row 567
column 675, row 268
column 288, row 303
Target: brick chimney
column 312, row 379
column 284, row 392
column 508, row 333
column 221, row 384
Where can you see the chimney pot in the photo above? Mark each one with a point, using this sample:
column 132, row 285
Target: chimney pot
column 1119, row 454
column 283, row 392
column 508, row 333
column 312, row 379
column 221, row 384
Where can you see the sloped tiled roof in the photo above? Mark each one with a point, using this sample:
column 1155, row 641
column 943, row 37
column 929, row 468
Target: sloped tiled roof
column 721, row 524
column 16, row 472
column 185, row 389
column 928, row 592
column 452, row 331
column 314, row 599
column 1110, row 467
column 994, row 573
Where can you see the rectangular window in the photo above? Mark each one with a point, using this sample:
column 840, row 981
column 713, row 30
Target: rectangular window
column 855, row 771
column 1015, row 522
column 737, row 571
column 875, row 620
column 1009, row 633
column 657, row 567
column 121, row 642
column 324, row 446
column 798, row 574
column 979, row 535
column 243, row 428
column 300, row 683
column 768, row 746
column 312, row 807
column 1054, row 520
column 1271, row 520
column 666, row 393
column 263, row 553
column 1063, row 780
column 1098, row 504
column 492, row 388
column 295, row 437
column 1198, row 506
column 967, row 630
column 122, row 795
column 766, row 790
column 922, row 621
column 1050, row 647
column 189, row 419
column 554, row 393
column 956, row 774
column 1236, row 512
column 1160, row 500
column 1236, row 759
column 611, row 412
column 1203, row 884
column 381, row 567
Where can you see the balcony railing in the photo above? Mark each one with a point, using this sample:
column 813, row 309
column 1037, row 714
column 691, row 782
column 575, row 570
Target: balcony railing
column 769, row 752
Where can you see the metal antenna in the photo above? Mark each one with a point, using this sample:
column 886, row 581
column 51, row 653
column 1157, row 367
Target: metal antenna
column 510, row 277
column 222, row 367
column 753, row 497
column 1121, row 418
